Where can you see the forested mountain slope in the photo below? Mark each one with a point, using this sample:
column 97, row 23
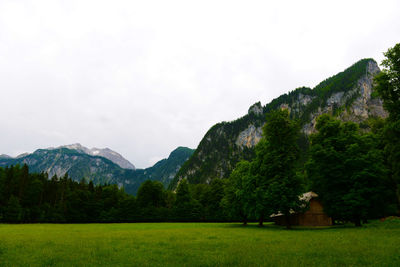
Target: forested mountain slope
column 347, row 95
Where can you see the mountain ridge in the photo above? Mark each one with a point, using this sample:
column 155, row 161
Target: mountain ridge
column 346, row 95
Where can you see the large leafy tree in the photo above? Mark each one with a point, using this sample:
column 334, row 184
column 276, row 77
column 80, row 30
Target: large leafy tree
column 274, row 168
column 151, row 194
column 347, row 171
column 239, row 195
column 388, row 87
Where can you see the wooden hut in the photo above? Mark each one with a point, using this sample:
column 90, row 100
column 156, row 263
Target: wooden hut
column 314, row 216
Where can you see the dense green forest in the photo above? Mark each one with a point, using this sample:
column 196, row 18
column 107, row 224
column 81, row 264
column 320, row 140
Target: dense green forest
column 29, row 197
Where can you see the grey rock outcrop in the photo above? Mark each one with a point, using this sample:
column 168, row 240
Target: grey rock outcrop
column 361, row 104
column 256, row 109
column 249, row 137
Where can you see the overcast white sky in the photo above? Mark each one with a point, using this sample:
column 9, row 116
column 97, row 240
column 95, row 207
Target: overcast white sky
column 143, row 77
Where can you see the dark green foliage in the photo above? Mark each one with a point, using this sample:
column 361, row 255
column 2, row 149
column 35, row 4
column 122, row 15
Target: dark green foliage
column 388, row 88
column 150, row 193
column 201, row 202
column 214, row 208
column 211, row 200
column 29, row 197
column 388, row 82
column 269, row 184
column 13, row 210
column 391, row 139
column 182, row 192
column 347, row 171
column 240, row 192
column 151, row 201
column 186, row 209
column 277, row 186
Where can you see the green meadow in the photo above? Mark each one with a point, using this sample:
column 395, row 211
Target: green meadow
column 198, row 244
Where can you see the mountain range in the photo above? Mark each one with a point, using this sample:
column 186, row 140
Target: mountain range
column 99, row 165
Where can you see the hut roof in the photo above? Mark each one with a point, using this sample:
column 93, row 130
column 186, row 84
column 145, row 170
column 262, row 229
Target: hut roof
column 304, row 197
column 308, row 196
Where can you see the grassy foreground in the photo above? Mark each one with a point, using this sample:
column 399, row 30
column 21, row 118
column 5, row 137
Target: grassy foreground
column 198, row 244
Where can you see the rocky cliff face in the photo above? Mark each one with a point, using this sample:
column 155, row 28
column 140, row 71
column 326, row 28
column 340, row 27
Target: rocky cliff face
column 252, row 134
column 355, row 105
column 249, row 137
column 347, row 95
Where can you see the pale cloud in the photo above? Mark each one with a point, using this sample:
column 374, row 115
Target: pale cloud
column 143, row 77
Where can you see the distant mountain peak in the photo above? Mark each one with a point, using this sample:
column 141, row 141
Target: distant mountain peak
column 22, row 155
column 74, row 146
column 102, row 152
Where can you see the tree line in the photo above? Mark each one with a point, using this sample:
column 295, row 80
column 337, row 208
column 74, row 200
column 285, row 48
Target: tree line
column 31, row 198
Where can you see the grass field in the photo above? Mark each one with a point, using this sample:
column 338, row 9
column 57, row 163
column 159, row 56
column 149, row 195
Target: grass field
column 198, row 244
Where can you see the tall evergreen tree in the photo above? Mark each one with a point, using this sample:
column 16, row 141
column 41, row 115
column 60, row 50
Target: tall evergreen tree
column 186, row 208
column 13, row 210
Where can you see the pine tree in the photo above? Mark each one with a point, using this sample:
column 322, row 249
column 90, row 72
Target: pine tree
column 13, row 210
